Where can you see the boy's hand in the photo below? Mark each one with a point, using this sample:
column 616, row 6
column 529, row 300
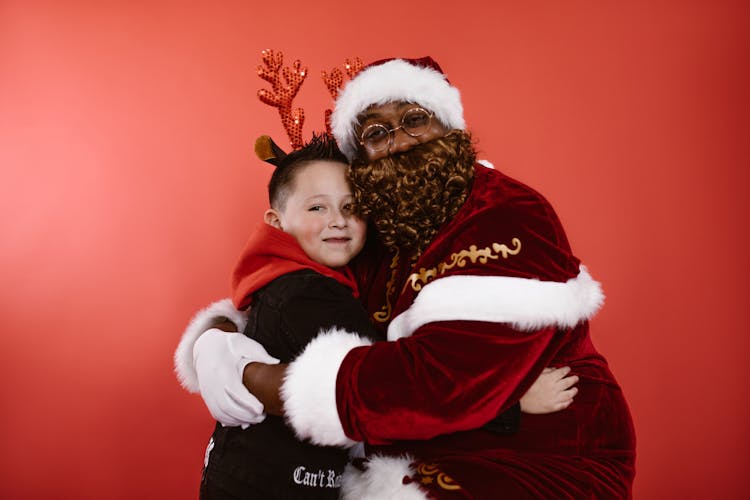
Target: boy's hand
column 552, row 391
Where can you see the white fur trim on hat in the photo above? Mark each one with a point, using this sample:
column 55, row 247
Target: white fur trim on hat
column 309, row 388
column 383, row 479
column 395, row 80
column 202, row 321
column 526, row 304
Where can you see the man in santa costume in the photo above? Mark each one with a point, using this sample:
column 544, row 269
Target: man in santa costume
column 470, row 273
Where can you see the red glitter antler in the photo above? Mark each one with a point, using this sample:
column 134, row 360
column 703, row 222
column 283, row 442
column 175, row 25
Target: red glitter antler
column 282, row 94
column 334, row 82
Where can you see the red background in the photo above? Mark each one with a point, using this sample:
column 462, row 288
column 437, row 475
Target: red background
column 128, row 186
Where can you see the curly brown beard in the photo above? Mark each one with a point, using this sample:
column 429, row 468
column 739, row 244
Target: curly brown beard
column 409, row 195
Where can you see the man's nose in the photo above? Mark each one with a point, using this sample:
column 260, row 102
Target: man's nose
column 401, row 142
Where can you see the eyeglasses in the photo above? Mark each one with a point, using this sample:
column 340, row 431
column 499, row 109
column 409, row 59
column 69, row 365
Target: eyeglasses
column 378, row 137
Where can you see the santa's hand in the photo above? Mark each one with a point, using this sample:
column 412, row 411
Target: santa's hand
column 219, row 359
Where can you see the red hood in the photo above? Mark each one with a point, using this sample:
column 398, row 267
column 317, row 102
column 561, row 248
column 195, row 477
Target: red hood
column 270, row 253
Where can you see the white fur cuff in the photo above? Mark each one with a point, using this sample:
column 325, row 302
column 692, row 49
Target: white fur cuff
column 525, row 304
column 382, row 480
column 309, row 389
column 202, row 321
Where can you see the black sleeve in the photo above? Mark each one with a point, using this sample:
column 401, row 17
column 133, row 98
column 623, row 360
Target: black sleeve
column 507, row 422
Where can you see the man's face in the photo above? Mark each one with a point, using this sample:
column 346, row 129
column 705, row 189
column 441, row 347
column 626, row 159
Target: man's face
column 408, row 195
column 390, row 115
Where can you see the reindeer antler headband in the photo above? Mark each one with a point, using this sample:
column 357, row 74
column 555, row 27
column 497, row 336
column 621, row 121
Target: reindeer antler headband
column 282, row 95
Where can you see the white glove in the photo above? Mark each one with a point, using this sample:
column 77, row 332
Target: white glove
column 220, row 358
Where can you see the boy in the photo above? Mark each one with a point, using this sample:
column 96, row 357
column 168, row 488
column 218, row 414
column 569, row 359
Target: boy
column 294, row 274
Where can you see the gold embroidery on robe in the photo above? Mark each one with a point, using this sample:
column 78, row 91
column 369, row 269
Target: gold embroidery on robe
column 459, row 259
column 385, row 312
column 429, row 474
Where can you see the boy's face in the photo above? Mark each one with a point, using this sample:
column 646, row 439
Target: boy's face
column 318, row 213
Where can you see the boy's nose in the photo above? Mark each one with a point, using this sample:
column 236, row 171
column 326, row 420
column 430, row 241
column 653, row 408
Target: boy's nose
column 337, row 219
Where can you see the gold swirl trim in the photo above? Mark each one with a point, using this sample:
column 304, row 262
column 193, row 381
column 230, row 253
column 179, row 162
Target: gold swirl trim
column 427, row 469
column 390, row 287
column 444, row 481
column 447, row 483
column 459, row 259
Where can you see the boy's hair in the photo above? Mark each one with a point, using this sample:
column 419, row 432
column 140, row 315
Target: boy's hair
column 320, row 148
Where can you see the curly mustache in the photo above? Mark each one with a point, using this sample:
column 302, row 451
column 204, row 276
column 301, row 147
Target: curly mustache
column 408, row 196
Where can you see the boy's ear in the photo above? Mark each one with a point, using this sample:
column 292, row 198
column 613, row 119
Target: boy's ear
column 271, row 217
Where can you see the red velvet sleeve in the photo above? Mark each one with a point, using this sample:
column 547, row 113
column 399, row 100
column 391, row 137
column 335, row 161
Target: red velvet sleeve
column 447, row 377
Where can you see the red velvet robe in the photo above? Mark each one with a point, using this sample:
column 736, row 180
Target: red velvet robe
column 496, row 297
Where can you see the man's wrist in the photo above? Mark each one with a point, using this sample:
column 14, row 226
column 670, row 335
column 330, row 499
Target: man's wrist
column 224, row 324
column 264, row 382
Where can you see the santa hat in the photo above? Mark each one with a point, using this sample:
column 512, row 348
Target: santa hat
column 420, row 81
